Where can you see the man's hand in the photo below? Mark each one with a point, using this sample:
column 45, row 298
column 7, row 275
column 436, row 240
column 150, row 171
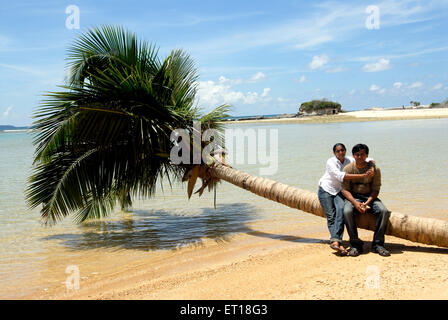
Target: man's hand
column 359, row 206
column 365, row 205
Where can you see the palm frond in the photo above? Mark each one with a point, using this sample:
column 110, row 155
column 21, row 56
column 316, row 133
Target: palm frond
column 105, row 137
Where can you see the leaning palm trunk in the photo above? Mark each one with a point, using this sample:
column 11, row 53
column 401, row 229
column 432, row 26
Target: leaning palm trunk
column 422, row 230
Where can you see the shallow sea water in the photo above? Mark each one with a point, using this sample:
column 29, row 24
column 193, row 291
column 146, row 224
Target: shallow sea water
column 412, row 155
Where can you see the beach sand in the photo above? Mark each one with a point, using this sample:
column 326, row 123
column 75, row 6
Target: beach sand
column 364, row 115
column 268, row 263
column 269, row 266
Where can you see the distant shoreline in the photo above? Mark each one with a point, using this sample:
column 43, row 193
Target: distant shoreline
column 376, row 114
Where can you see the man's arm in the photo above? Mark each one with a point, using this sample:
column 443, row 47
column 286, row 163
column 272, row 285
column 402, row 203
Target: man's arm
column 348, row 195
column 376, row 185
column 373, row 195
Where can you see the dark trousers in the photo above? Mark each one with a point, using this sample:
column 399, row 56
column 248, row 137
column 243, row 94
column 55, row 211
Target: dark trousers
column 382, row 218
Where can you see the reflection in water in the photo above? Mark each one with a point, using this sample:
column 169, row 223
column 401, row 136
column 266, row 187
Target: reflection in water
column 158, row 229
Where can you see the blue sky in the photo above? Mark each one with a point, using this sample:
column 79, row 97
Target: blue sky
column 262, row 57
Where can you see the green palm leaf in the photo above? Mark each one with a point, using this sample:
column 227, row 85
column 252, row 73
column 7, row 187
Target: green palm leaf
column 105, row 137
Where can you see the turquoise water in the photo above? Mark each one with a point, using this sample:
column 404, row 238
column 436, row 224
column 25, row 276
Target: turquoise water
column 412, row 155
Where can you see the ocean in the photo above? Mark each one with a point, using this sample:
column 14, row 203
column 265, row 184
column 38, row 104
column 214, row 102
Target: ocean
column 412, row 155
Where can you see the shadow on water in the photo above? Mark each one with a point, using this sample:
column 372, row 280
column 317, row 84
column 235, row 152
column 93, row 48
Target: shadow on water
column 159, row 229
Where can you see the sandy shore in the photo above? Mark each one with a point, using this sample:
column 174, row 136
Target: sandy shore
column 261, row 265
column 364, row 115
column 286, row 263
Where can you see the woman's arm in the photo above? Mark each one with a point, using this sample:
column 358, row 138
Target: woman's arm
column 352, row 176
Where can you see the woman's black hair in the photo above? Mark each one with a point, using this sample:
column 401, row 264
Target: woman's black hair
column 360, row 147
column 337, row 145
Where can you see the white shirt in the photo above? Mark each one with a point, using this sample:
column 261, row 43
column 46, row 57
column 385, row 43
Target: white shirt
column 331, row 181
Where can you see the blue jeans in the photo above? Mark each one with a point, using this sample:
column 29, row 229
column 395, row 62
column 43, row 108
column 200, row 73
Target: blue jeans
column 382, row 218
column 334, row 208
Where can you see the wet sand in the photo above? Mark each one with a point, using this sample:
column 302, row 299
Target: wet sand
column 268, row 265
column 290, row 262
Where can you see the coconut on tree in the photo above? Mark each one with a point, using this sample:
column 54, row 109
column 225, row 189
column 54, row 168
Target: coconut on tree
column 106, row 137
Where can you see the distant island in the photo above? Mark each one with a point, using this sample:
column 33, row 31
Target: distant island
column 13, row 128
column 319, row 107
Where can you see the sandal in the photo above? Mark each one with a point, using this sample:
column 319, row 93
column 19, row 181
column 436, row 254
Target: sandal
column 335, row 246
column 354, row 252
column 341, row 250
column 382, row 251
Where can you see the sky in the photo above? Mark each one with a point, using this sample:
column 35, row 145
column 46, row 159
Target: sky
column 261, row 57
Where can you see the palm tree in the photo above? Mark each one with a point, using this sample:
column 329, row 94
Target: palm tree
column 107, row 138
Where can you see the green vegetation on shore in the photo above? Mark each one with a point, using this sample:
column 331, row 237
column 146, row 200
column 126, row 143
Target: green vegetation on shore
column 319, row 106
column 439, row 104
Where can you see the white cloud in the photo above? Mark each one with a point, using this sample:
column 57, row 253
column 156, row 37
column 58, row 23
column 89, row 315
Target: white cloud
column 327, row 23
column 415, row 85
column 398, row 85
column 24, row 69
column 336, row 69
column 352, row 92
column 265, row 92
column 437, row 86
column 229, row 82
column 381, row 65
column 318, row 61
column 257, row 77
column 211, row 93
column 375, row 88
column 413, row 53
column 6, row 113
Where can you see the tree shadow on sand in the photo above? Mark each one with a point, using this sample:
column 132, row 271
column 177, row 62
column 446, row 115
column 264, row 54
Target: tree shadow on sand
column 160, row 229
column 398, row 248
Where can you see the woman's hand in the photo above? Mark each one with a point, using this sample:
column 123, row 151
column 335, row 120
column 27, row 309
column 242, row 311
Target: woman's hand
column 369, row 173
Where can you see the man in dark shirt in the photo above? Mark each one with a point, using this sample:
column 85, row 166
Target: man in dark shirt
column 361, row 196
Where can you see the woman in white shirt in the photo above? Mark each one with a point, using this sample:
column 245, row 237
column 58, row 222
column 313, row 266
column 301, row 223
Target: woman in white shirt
column 330, row 196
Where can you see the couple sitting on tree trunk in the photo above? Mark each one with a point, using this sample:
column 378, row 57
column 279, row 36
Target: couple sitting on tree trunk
column 350, row 186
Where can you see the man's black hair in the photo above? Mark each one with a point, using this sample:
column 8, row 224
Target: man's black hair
column 360, row 147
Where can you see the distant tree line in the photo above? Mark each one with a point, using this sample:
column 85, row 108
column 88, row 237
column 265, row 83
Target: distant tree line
column 319, row 106
column 439, row 104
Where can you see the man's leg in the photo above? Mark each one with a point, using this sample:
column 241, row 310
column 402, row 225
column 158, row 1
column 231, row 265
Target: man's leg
column 327, row 203
column 382, row 218
column 350, row 223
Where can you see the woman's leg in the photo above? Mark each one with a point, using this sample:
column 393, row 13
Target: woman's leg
column 327, row 202
column 339, row 202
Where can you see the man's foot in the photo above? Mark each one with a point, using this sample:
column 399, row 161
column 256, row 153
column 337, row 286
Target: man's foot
column 354, row 252
column 381, row 251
